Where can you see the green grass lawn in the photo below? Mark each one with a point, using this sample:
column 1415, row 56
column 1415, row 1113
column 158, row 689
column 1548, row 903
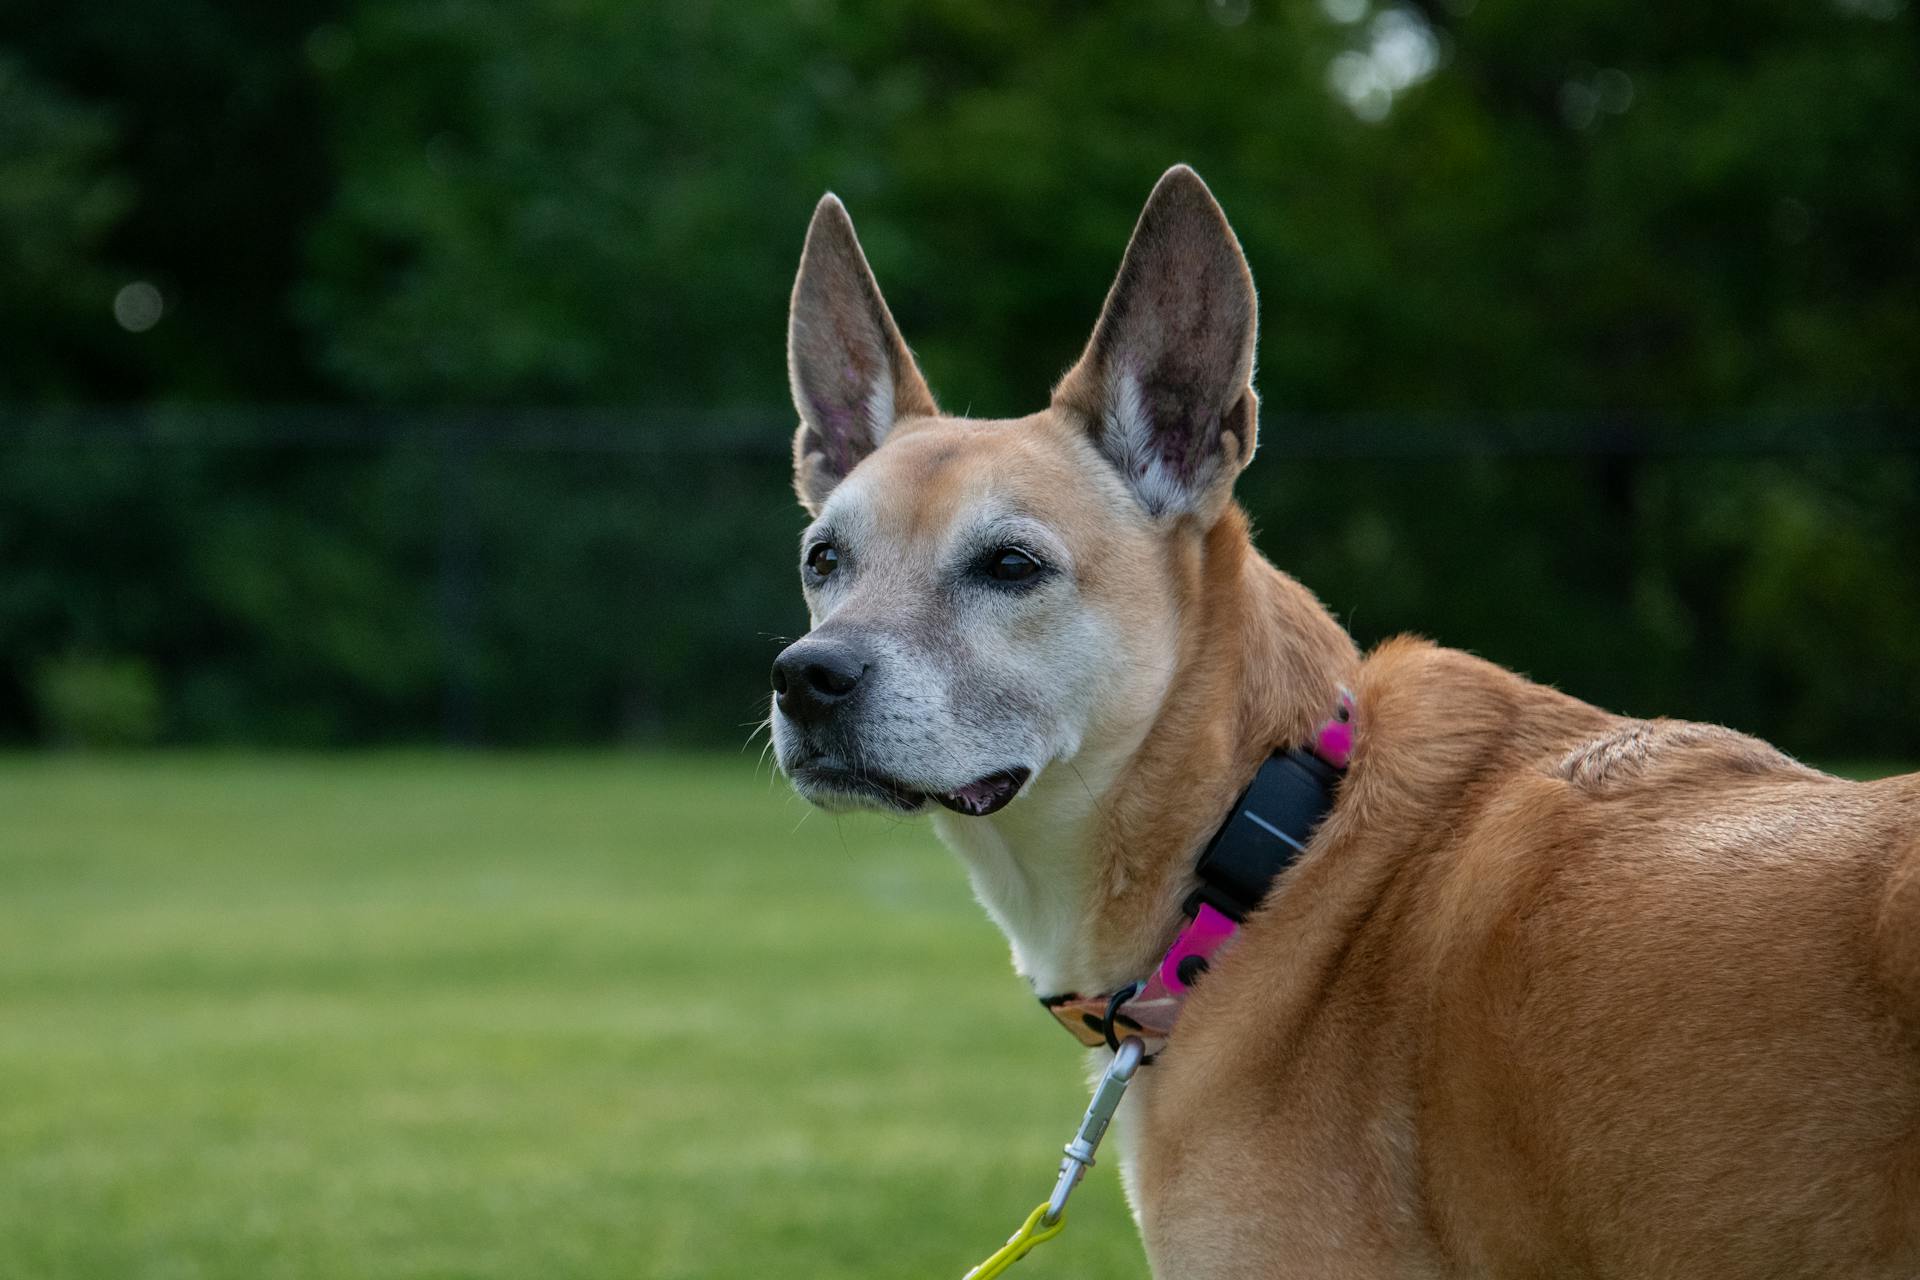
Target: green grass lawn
column 441, row 1016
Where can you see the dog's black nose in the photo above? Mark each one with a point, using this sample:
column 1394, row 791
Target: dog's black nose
column 812, row 677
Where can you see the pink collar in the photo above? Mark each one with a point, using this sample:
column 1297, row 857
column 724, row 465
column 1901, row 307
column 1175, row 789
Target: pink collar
column 1150, row 1008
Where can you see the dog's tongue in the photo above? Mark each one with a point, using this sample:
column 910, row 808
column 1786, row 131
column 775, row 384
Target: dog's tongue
column 988, row 795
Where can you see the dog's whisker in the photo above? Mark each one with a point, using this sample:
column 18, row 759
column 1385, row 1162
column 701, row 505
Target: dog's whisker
column 1091, row 798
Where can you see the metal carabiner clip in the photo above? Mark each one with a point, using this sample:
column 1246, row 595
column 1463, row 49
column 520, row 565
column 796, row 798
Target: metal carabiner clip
column 1093, row 1125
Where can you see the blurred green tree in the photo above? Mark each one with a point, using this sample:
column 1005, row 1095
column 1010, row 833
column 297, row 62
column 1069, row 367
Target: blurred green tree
column 204, row 119
column 59, row 198
column 1501, row 229
column 1449, row 207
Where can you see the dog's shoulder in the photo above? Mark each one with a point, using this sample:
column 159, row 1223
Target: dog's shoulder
column 1418, row 698
column 1428, row 712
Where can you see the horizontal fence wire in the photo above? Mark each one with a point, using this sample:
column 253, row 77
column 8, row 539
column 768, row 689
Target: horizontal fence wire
column 766, row 433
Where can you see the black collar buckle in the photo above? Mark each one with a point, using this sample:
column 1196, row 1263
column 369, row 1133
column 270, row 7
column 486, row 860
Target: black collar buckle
column 1267, row 831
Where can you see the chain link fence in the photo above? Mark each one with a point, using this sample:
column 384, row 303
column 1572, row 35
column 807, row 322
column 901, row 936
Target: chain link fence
column 323, row 577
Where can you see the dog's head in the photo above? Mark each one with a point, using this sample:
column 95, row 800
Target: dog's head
column 992, row 597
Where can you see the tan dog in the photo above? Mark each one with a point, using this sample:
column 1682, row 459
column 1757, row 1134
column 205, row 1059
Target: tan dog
column 1552, row 992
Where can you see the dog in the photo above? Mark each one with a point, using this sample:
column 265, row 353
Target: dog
column 1550, row 993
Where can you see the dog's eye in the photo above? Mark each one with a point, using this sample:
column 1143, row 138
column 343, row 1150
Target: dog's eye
column 1010, row 564
column 823, row 559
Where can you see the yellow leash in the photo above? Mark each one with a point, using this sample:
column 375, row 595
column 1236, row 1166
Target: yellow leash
column 1047, row 1220
column 1029, row 1237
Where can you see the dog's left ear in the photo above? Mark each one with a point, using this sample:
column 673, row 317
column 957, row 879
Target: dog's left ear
column 1166, row 384
column 852, row 374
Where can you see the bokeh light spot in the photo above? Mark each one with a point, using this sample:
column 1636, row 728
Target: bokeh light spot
column 1230, row 13
column 138, row 307
column 1613, row 90
column 1579, row 105
column 1589, row 92
column 1358, row 82
column 1404, row 48
column 1401, row 51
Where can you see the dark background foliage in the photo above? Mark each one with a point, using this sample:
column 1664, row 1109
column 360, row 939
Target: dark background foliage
column 414, row 369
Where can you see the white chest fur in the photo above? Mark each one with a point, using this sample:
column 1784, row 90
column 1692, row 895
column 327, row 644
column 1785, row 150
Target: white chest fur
column 1032, row 868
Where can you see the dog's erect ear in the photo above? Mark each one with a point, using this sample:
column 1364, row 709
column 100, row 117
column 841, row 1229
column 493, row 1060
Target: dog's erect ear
column 852, row 375
column 1166, row 384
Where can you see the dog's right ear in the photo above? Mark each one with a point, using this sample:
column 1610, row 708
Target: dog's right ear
column 1165, row 387
column 852, row 374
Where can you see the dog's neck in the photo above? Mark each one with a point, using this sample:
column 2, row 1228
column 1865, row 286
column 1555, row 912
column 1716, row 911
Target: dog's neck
column 1086, row 873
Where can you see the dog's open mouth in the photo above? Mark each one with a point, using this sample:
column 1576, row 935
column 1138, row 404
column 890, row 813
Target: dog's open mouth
column 990, row 794
column 977, row 799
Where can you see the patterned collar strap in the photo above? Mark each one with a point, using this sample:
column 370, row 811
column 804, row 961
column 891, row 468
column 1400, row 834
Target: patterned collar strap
column 1268, row 830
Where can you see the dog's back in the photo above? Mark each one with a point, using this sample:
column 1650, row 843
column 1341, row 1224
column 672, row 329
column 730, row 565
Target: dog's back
column 1569, row 995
